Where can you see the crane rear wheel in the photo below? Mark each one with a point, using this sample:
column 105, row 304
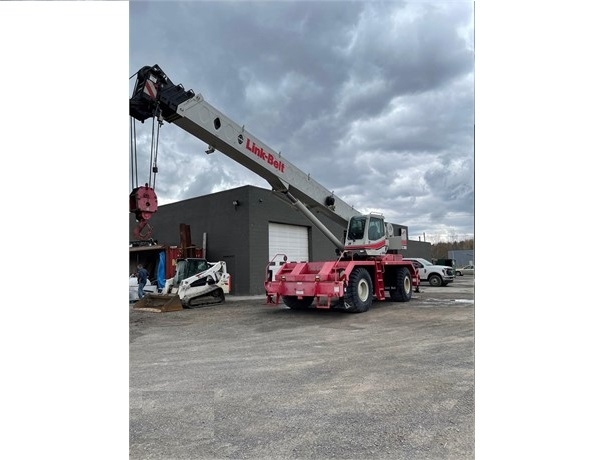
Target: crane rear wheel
column 404, row 286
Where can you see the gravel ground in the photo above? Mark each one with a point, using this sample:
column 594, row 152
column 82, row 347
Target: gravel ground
column 248, row 380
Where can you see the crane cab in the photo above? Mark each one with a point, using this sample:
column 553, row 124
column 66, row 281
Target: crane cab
column 366, row 235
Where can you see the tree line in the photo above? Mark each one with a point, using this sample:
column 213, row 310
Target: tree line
column 441, row 250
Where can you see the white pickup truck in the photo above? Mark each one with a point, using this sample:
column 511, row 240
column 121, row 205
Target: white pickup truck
column 436, row 275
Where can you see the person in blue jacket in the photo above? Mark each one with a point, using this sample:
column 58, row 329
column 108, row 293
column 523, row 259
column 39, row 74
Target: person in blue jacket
column 142, row 278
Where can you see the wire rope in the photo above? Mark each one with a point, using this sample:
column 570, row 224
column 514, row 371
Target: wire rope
column 133, row 153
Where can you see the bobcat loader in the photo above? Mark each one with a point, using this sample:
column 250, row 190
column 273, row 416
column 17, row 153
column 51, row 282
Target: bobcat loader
column 197, row 283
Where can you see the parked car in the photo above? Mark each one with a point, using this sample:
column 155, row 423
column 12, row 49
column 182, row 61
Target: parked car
column 133, row 288
column 467, row 270
column 436, row 275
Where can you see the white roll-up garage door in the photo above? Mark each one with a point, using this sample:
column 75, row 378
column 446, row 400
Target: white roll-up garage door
column 292, row 240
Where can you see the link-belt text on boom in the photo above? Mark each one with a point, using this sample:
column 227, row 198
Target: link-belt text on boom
column 268, row 157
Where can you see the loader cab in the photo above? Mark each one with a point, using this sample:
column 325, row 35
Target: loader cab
column 366, row 235
column 185, row 268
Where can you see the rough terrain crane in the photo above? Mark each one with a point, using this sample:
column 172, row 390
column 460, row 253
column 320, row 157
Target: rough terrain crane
column 368, row 263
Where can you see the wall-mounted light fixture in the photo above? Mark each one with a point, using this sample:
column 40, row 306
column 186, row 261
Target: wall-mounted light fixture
column 236, row 203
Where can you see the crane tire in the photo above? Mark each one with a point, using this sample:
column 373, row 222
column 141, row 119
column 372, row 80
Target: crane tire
column 404, row 286
column 359, row 293
column 294, row 303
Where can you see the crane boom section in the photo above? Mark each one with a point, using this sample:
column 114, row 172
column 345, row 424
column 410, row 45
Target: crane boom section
column 156, row 96
column 205, row 122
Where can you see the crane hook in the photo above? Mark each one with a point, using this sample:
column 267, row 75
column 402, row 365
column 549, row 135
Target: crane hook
column 143, row 203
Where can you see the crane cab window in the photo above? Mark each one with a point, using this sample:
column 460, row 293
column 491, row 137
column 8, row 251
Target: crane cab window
column 355, row 230
column 375, row 228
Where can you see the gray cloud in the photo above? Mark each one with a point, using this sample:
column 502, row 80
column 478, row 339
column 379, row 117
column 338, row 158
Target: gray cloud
column 374, row 99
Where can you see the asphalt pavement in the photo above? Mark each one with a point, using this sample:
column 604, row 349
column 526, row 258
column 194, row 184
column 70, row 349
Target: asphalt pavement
column 249, row 380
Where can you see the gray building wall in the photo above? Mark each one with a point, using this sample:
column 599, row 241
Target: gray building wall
column 213, row 214
column 418, row 249
column 239, row 235
column 462, row 257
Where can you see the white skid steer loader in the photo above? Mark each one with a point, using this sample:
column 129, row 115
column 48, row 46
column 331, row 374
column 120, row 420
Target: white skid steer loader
column 197, row 283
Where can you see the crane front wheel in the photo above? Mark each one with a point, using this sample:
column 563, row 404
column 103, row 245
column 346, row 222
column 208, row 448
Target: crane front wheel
column 359, row 293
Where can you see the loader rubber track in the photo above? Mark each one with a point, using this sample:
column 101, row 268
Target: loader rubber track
column 213, row 298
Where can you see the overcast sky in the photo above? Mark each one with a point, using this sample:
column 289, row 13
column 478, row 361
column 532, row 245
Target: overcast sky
column 374, row 99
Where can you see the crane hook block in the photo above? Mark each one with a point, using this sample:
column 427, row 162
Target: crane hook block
column 143, row 203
